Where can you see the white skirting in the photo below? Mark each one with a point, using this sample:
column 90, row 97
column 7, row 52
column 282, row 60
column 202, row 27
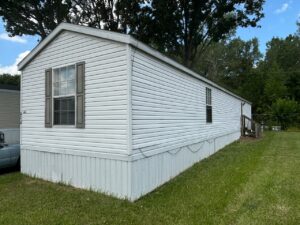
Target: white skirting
column 119, row 178
column 108, row 176
column 149, row 173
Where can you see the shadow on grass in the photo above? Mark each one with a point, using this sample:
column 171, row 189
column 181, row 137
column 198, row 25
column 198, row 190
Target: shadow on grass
column 10, row 170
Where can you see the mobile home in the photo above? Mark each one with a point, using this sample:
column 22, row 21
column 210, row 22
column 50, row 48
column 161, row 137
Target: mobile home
column 103, row 111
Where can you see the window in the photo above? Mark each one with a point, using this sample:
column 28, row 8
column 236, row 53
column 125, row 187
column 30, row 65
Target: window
column 208, row 106
column 64, row 95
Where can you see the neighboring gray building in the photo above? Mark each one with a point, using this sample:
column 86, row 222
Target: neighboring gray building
column 10, row 113
column 103, row 111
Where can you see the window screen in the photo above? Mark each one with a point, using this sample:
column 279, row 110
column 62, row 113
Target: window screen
column 64, row 95
column 208, row 106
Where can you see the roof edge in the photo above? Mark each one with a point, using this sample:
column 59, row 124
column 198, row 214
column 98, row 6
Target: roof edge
column 122, row 38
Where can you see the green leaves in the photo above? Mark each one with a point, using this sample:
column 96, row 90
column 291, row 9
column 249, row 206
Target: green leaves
column 285, row 111
column 179, row 28
column 185, row 28
column 10, row 79
column 33, row 17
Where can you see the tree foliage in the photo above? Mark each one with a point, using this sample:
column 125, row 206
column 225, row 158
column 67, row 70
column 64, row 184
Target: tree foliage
column 187, row 28
column 40, row 17
column 285, row 53
column 275, row 87
column 9, row 79
column 114, row 15
column 33, row 17
column 285, row 112
column 181, row 28
column 239, row 66
column 229, row 62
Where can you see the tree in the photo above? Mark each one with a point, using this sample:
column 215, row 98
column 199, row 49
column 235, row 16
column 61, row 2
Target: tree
column 40, row 17
column 275, row 87
column 10, row 79
column 242, row 57
column 285, row 112
column 176, row 27
column 188, row 27
column 253, row 88
column 285, row 53
column 114, row 15
column 33, row 17
column 229, row 62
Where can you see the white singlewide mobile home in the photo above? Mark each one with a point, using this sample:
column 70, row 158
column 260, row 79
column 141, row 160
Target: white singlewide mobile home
column 103, row 111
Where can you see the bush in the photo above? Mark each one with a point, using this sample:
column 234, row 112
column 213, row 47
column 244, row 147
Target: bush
column 10, row 79
column 285, row 112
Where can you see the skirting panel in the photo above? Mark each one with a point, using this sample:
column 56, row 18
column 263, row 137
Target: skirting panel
column 98, row 174
column 119, row 178
column 151, row 172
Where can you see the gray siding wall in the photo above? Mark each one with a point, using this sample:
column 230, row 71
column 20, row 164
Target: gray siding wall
column 10, row 115
column 9, row 109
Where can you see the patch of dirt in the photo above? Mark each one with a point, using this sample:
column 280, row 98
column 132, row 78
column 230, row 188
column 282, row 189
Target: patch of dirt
column 249, row 139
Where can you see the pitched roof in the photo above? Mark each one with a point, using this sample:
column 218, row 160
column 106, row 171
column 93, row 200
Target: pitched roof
column 118, row 37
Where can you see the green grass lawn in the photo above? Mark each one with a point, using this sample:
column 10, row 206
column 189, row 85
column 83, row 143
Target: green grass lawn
column 248, row 182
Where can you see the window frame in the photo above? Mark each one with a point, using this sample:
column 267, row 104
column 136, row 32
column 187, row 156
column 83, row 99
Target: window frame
column 208, row 105
column 64, row 96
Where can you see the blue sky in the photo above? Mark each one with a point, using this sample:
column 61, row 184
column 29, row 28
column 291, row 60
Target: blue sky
column 279, row 21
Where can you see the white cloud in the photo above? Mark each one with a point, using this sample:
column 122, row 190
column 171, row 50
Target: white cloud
column 13, row 69
column 282, row 9
column 4, row 36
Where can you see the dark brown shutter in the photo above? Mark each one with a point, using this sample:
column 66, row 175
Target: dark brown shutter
column 48, row 98
column 80, row 102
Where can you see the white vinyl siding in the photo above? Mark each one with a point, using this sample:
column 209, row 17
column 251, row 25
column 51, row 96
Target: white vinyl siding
column 169, row 108
column 106, row 96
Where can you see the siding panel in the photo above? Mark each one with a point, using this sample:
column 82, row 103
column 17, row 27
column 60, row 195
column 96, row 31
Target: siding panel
column 9, row 109
column 169, row 108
